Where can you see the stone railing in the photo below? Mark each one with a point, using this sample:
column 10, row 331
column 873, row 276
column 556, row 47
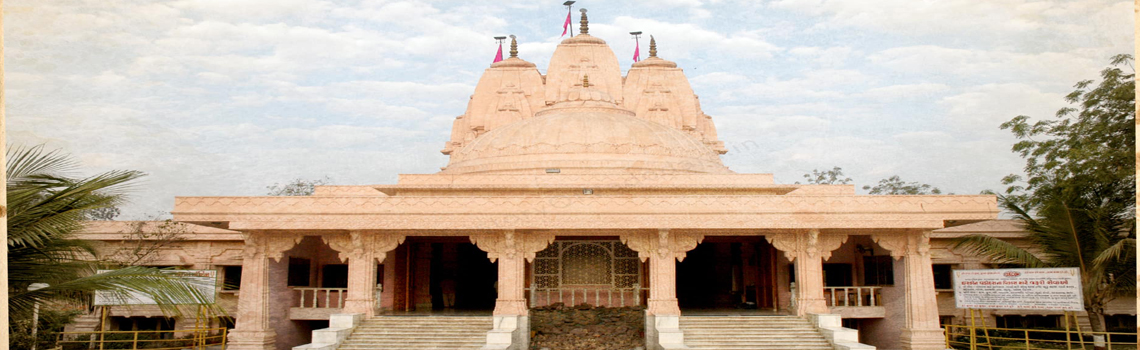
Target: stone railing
column 852, row 296
column 596, row 296
column 317, row 298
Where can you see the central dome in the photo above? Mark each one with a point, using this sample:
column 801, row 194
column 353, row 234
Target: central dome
column 585, row 133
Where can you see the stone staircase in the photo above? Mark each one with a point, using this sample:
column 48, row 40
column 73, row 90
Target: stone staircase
column 752, row 333
column 420, row 333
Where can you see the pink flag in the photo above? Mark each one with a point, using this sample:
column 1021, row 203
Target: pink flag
column 499, row 55
column 566, row 26
column 637, row 52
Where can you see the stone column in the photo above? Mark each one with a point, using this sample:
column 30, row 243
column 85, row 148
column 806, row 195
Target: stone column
column 807, row 251
column 362, row 251
column 921, row 331
column 252, row 329
column 512, row 250
column 662, row 314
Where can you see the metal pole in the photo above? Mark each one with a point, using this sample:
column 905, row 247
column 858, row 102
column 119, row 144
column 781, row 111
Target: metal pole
column 569, row 12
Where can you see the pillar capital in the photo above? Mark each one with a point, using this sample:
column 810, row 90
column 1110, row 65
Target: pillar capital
column 357, row 245
column 662, row 244
column 905, row 244
column 808, row 243
column 260, row 245
column 509, row 244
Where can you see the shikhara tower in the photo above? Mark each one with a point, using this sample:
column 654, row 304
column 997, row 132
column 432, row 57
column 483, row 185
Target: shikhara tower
column 584, row 180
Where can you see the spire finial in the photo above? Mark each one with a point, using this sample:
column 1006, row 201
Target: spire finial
column 514, row 47
column 652, row 47
column 585, row 80
column 585, row 28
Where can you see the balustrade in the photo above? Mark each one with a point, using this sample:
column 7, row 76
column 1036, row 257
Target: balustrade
column 596, row 296
column 321, row 297
column 853, row 296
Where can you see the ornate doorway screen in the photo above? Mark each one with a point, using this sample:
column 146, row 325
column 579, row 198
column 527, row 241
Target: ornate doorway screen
column 596, row 272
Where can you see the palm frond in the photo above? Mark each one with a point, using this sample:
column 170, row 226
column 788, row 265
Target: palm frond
column 167, row 291
column 997, row 250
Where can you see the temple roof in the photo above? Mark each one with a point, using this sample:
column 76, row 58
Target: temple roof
column 648, row 121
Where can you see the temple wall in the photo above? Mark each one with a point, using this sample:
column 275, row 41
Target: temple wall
column 884, row 333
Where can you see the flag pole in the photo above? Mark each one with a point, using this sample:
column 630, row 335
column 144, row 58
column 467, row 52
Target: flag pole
column 499, row 54
column 637, row 46
column 570, row 11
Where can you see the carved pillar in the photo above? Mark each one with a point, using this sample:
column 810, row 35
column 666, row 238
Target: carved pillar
column 511, row 328
column 362, row 251
column 921, row 331
column 253, row 330
column 661, row 248
column 807, row 251
column 662, row 315
column 512, row 250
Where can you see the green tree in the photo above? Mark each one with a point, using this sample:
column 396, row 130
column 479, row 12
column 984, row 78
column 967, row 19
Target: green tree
column 828, row 177
column 895, row 185
column 46, row 207
column 297, row 187
column 1078, row 197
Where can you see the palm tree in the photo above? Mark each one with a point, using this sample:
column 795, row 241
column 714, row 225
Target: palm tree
column 46, row 207
column 1072, row 230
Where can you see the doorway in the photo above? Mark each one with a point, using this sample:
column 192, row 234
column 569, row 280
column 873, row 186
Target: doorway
column 728, row 273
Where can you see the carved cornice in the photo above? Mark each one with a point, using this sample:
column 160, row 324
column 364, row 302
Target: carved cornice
column 556, row 221
column 359, row 244
column 810, row 244
column 262, row 245
column 511, row 244
column 902, row 206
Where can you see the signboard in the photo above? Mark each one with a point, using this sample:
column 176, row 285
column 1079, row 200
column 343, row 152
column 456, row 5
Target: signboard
column 1019, row 289
column 205, row 281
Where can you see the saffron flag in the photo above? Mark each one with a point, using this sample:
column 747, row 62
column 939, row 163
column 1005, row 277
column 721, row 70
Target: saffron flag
column 499, row 55
column 637, row 52
column 566, row 26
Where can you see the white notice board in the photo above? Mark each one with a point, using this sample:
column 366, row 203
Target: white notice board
column 1019, row 289
column 205, row 281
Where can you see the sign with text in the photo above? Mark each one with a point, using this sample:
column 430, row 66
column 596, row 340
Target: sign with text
column 1019, row 289
column 205, row 281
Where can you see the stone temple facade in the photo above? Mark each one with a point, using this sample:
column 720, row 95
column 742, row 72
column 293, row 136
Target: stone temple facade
column 578, row 186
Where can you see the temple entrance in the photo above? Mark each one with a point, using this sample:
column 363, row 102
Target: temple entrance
column 728, row 273
column 435, row 274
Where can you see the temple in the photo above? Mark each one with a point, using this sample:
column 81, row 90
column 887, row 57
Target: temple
column 578, row 186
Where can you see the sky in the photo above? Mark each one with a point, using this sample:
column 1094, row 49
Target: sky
column 227, row 97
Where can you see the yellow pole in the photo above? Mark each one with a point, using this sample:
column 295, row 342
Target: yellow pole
column 102, row 327
column 1068, row 333
column 973, row 332
column 986, row 331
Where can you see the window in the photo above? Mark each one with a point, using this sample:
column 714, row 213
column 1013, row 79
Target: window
column 878, row 271
column 837, row 275
column 1119, row 323
column 231, row 277
column 334, row 276
column 943, row 276
column 298, row 272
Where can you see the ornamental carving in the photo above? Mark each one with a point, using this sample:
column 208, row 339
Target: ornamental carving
column 904, row 244
column 511, row 244
column 263, row 245
column 663, row 244
column 359, row 244
column 811, row 244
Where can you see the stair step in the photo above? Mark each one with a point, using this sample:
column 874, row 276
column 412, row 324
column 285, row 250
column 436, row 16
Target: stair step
column 420, row 333
column 751, row 333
